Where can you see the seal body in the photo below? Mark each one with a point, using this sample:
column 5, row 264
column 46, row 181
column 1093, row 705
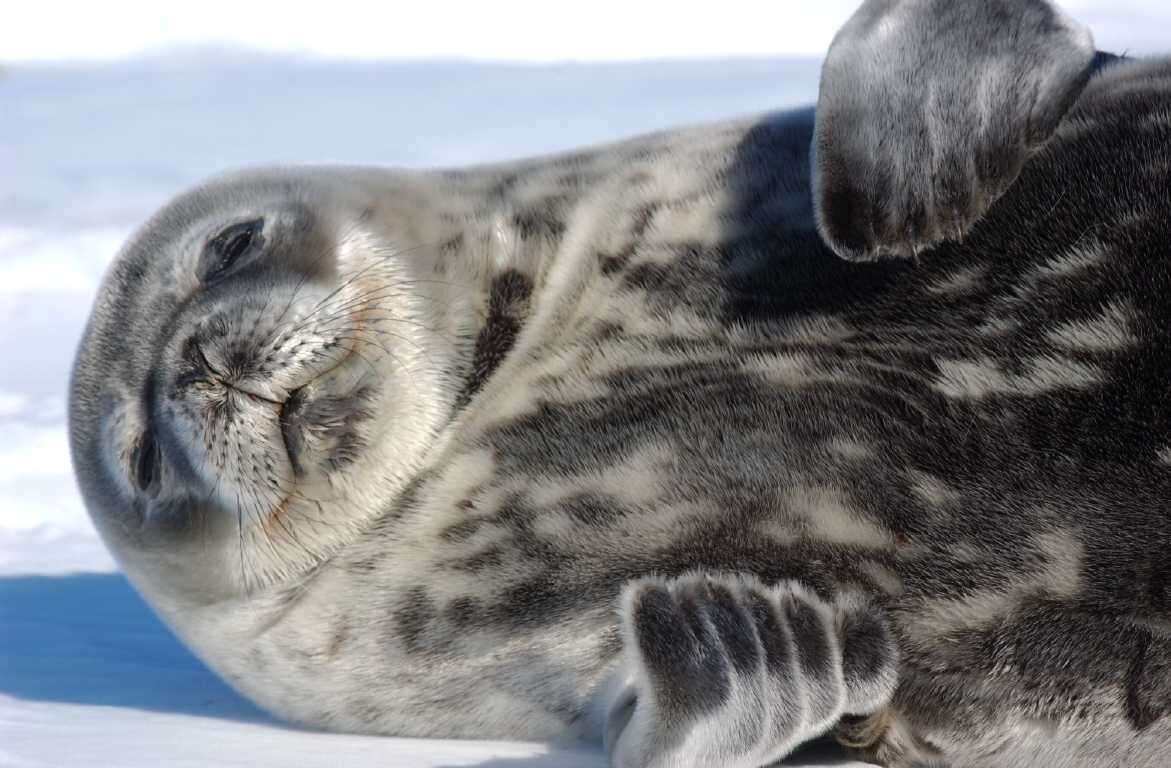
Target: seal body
column 521, row 389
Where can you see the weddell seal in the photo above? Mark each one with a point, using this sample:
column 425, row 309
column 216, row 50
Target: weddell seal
column 612, row 445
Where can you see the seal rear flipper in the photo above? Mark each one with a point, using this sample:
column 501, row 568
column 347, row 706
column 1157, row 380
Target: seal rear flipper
column 722, row 671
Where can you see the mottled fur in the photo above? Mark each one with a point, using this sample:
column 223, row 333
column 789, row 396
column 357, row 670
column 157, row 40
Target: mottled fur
column 617, row 397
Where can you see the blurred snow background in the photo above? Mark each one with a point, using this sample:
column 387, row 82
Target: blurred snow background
column 108, row 109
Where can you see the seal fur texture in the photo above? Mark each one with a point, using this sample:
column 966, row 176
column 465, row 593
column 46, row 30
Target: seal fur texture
column 476, row 452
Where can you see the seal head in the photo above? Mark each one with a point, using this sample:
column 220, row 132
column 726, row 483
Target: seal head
column 252, row 384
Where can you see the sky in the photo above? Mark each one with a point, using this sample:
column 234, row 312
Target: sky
column 515, row 30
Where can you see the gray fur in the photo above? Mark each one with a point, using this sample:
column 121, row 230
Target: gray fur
column 929, row 109
column 549, row 413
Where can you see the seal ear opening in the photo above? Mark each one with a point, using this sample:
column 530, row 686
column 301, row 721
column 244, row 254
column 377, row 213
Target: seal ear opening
column 145, row 463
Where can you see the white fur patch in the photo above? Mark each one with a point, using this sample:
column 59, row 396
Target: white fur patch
column 932, row 489
column 959, row 281
column 829, row 517
column 849, row 448
column 818, row 329
column 1073, row 261
column 1108, row 331
column 785, row 368
column 976, row 379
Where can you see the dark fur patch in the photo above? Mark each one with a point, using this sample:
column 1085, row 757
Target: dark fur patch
column 1148, row 683
column 734, row 627
column 612, row 263
column 539, row 222
column 508, row 305
column 810, row 639
column 462, row 531
column 411, row 618
column 452, row 247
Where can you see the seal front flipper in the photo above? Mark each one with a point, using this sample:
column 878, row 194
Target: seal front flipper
column 927, row 111
column 722, row 671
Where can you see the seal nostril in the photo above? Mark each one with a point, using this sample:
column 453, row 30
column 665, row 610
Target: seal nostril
column 146, row 461
column 201, row 357
column 291, row 422
column 195, row 367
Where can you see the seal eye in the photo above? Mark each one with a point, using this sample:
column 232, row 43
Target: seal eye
column 229, row 247
column 146, row 461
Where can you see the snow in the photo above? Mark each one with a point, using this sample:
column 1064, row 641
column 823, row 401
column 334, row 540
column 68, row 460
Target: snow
column 88, row 675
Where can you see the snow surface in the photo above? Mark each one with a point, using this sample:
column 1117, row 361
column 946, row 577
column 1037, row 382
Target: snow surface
column 88, row 675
